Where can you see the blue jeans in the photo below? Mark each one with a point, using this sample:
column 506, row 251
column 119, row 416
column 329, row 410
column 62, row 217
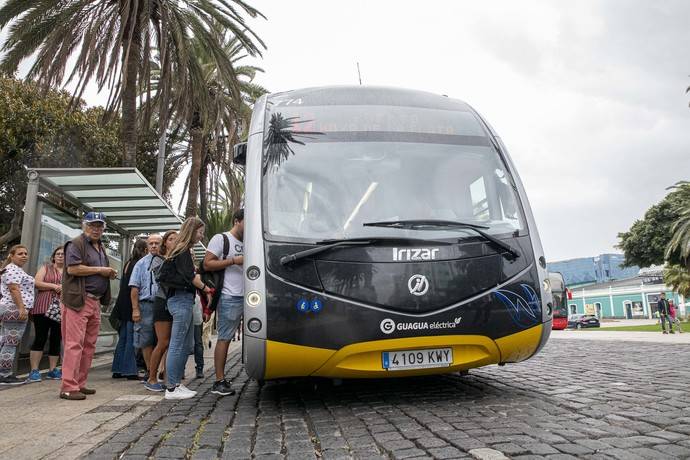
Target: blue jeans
column 230, row 309
column 125, row 361
column 143, row 330
column 182, row 335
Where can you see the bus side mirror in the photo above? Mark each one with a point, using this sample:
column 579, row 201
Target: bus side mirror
column 240, row 153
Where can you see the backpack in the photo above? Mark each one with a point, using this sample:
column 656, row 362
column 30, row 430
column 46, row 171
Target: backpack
column 167, row 276
column 215, row 279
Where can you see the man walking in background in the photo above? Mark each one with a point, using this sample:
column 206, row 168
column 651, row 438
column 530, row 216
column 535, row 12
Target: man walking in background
column 85, row 287
column 231, row 305
column 665, row 314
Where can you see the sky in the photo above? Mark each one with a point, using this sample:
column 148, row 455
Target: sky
column 588, row 96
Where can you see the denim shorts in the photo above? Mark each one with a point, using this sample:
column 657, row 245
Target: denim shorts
column 229, row 312
column 143, row 330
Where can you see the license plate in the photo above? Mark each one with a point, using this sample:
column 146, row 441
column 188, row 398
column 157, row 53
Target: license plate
column 417, row 359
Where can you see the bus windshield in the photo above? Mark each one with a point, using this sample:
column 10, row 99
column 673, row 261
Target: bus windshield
column 560, row 307
column 323, row 180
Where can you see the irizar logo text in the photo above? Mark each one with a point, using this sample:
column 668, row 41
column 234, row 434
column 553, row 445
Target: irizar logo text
column 401, row 255
column 388, row 326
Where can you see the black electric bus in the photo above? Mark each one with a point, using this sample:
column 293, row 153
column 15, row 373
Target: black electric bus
column 387, row 234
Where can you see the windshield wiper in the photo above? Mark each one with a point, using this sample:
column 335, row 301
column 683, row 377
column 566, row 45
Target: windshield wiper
column 327, row 245
column 433, row 224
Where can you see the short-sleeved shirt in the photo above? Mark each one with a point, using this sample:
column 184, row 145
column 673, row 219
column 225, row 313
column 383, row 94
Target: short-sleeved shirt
column 13, row 274
column 143, row 277
column 95, row 284
column 233, row 282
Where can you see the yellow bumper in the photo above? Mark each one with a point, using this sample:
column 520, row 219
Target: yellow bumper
column 363, row 360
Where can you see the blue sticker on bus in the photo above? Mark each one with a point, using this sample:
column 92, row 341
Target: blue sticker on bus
column 316, row 305
column 303, row 305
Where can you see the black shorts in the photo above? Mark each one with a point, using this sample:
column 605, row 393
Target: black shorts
column 160, row 312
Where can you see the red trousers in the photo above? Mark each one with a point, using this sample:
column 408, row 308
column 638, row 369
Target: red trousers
column 79, row 335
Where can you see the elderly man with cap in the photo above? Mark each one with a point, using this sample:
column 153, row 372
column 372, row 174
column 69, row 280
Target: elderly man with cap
column 85, row 287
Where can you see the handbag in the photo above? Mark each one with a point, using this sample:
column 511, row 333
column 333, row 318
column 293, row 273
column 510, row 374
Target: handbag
column 53, row 311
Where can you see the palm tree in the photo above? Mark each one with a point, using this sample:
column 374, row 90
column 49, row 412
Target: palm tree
column 225, row 178
column 678, row 278
column 680, row 230
column 113, row 42
column 214, row 105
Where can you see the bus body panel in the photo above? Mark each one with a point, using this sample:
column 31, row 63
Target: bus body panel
column 547, row 299
column 496, row 312
column 363, row 360
column 505, row 318
column 254, row 343
column 560, row 323
column 254, row 356
column 367, row 275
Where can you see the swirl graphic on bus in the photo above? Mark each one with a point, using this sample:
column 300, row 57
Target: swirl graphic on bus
column 525, row 310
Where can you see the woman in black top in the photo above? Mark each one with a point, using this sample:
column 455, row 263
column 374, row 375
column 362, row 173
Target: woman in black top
column 124, row 361
column 162, row 321
column 178, row 275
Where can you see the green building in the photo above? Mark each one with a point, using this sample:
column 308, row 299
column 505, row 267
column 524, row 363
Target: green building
column 630, row 298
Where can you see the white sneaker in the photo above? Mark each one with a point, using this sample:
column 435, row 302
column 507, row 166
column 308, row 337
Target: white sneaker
column 178, row 394
column 186, row 390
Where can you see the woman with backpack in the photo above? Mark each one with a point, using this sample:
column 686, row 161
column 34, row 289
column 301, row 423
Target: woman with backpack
column 179, row 278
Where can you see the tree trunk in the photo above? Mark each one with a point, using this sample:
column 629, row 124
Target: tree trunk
column 196, row 133
column 131, row 51
column 163, row 112
column 203, row 183
column 15, row 230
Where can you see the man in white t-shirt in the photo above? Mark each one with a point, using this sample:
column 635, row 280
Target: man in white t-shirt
column 231, row 304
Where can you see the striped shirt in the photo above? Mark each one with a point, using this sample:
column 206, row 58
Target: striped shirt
column 44, row 298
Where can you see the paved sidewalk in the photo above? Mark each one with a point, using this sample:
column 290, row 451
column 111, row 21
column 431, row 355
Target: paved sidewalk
column 36, row 424
column 624, row 336
column 616, row 400
column 627, row 322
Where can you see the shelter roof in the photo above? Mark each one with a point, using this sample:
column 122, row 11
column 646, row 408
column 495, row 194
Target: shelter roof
column 131, row 204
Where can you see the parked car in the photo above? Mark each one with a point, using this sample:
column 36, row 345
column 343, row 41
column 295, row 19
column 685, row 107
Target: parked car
column 580, row 321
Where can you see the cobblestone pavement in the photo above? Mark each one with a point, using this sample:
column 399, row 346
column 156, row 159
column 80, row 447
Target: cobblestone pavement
column 624, row 400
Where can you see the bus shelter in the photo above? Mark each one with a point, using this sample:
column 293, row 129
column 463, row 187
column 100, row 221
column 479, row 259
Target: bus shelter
column 56, row 199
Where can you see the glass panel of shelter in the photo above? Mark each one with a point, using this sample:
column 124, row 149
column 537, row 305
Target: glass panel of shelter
column 58, row 227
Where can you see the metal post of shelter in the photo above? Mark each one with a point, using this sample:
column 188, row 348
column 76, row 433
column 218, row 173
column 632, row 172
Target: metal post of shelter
column 31, row 216
column 126, row 245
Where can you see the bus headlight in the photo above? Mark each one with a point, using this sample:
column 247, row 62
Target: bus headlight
column 253, row 272
column 253, row 299
column 547, row 285
column 254, row 325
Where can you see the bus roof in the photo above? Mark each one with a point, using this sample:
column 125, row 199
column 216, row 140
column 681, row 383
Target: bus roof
column 367, row 95
column 557, row 281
